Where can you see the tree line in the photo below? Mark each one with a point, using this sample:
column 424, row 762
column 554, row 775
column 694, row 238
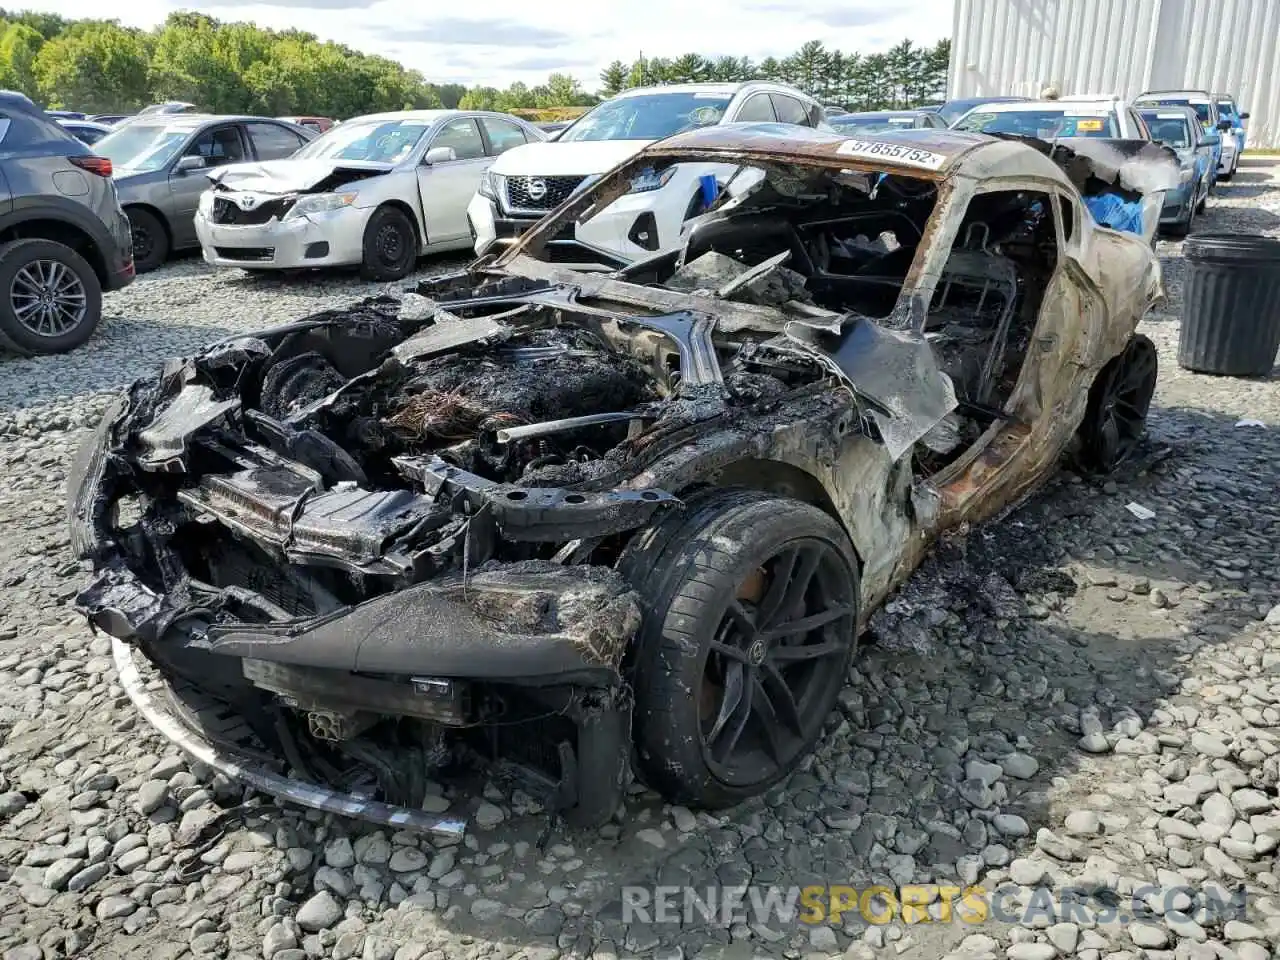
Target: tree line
column 99, row 66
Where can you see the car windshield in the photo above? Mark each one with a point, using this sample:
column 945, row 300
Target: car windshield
column 141, row 147
column 1201, row 108
column 1227, row 108
column 1045, row 124
column 1171, row 131
column 648, row 117
column 872, row 124
column 373, row 141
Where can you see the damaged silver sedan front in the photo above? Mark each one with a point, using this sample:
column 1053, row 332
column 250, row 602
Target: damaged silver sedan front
column 573, row 524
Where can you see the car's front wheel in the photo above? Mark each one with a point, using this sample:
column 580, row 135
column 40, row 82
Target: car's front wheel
column 150, row 240
column 50, row 298
column 750, row 606
column 390, row 246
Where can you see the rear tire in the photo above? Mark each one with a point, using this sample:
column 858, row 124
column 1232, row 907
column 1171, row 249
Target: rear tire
column 390, row 246
column 730, row 695
column 1119, row 400
column 150, row 240
column 50, row 298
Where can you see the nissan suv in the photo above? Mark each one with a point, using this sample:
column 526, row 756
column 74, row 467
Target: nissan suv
column 63, row 237
column 530, row 180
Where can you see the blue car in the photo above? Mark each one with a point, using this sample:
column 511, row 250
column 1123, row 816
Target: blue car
column 1229, row 111
column 1178, row 128
column 1206, row 107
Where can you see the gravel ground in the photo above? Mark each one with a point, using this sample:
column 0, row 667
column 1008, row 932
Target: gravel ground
column 1093, row 701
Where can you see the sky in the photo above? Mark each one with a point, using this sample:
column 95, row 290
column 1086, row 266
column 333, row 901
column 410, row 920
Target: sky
column 497, row 42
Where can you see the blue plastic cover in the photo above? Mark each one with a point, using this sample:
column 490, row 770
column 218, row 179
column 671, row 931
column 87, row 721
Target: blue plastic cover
column 1111, row 211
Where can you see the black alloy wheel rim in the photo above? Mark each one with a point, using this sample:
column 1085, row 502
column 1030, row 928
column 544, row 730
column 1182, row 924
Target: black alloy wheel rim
column 1125, row 403
column 48, row 298
column 773, row 666
column 143, row 243
column 389, row 244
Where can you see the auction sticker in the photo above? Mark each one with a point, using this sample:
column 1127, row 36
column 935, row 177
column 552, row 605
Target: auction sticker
column 896, row 152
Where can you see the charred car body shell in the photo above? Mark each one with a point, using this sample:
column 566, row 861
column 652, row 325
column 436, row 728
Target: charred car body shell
column 407, row 582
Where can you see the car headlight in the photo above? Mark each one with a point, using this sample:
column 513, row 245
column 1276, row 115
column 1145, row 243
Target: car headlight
column 320, row 203
column 651, row 180
column 490, row 185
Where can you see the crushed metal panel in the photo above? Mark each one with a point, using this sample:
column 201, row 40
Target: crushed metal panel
column 895, row 370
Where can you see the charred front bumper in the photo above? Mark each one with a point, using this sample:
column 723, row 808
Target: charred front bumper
column 486, row 646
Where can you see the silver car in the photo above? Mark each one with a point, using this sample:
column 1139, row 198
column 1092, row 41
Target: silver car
column 377, row 191
column 158, row 161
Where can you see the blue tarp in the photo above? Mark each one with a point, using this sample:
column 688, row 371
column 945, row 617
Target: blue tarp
column 1111, row 211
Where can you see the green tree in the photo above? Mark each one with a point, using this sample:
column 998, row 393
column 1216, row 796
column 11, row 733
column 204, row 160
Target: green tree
column 480, row 98
column 96, row 70
column 689, row 68
column 562, row 90
column 19, row 46
column 613, row 79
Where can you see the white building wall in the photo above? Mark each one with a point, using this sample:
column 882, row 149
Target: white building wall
column 1018, row 47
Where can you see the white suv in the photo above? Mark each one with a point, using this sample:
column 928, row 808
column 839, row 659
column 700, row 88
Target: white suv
column 526, row 183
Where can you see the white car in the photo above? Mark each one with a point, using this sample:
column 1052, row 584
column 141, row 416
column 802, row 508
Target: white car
column 378, row 191
column 1087, row 116
column 527, row 183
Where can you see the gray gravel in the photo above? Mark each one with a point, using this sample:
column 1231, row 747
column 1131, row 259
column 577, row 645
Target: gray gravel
column 1090, row 701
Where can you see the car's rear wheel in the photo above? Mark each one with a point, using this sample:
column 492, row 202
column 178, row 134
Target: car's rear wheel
column 150, row 240
column 390, row 246
column 750, row 608
column 50, row 298
column 1119, row 400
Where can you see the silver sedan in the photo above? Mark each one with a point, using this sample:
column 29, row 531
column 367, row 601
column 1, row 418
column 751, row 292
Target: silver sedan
column 377, row 191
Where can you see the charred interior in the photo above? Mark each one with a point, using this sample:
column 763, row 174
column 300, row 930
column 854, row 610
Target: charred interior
column 474, row 451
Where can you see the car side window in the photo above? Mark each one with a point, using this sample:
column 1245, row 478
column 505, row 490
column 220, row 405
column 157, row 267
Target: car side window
column 789, row 110
column 757, row 109
column 1067, row 214
column 271, row 142
column 464, row 136
column 219, row 146
column 1139, row 125
column 503, row 135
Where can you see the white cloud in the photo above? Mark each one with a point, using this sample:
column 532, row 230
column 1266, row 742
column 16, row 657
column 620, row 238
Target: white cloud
column 507, row 40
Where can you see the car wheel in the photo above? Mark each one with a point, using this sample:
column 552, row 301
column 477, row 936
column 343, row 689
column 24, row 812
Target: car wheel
column 50, row 298
column 750, row 606
column 390, row 246
column 1116, row 415
column 150, row 240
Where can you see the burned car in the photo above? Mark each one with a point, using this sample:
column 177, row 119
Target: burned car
column 574, row 524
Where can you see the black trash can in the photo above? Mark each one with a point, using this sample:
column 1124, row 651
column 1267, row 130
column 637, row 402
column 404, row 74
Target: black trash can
column 1230, row 304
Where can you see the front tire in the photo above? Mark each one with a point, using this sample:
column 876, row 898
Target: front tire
column 750, row 605
column 50, row 298
column 150, row 240
column 390, row 246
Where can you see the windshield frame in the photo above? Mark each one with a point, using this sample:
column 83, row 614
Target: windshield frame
column 343, row 132
column 162, row 159
column 581, row 129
